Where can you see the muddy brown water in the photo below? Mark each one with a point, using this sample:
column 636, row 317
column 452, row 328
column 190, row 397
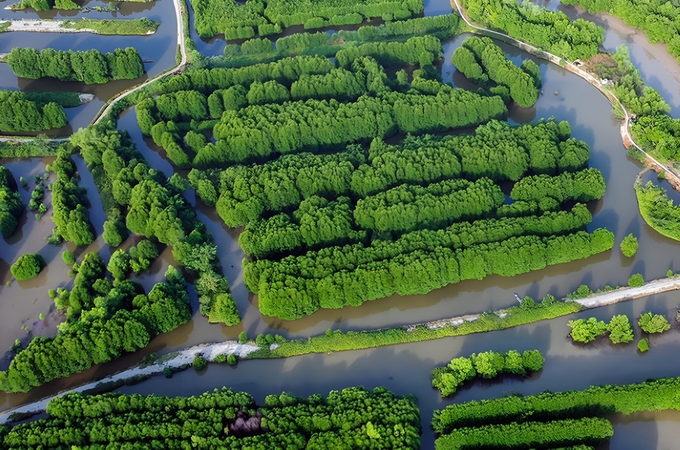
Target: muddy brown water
column 405, row 368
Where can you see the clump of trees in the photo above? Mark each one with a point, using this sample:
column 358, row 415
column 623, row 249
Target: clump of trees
column 480, row 60
column 653, row 323
column 89, row 67
column 551, row 30
column 223, row 418
column 18, row 113
column 46, row 5
column 104, row 320
column 658, row 210
column 10, row 203
column 238, row 21
column 485, row 365
column 587, row 330
column 629, row 245
column 70, row 215
column 27, row 266
column 154, row 207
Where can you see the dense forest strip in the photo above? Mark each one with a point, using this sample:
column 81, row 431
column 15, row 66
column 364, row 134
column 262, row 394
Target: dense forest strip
column 558, row 433
column 654, row 395
column 70, row 215
column 239, row 21
column 10, row 203
column 353, row 417
column 481, row 61
column 292, row 296
column 258, row 50
column 19, row 113
column 495, row 150
column 89, row 67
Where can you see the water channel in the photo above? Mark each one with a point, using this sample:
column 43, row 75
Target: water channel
column 403, row 369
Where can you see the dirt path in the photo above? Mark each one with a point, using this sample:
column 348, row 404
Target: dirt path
column 174, row 360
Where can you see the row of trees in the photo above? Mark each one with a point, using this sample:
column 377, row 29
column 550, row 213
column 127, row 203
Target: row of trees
column 656, row 395
column 17, row 113
column 619, row 328
column 325, row 262
column 142, row 200
column 554, row 434
column 89, row 67
column 550, row 30
column 485, row 365
column 290, row 297
column 421, row 50
column 583, row 186
column 480, row 60
column 215, row 17
column 260, row 131
column 105, row 319
column 10, row 203
column 70, row 214
column 496, row 150
column 351, row 418
column 316, row 221
column 659, row 211
column 409, row 207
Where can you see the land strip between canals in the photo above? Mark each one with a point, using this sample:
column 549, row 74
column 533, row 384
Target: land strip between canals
column 249, row 350
column 626, row 136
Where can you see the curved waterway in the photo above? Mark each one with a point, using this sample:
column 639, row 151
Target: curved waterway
column 405, row 368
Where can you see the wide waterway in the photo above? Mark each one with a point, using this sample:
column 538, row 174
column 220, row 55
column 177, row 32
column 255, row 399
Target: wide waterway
column 403, row 369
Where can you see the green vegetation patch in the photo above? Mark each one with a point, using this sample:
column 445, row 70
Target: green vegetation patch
column 629, row 245
column 485, row 365
column 353, row 417
column 103, row 322
column 481, row 61
column 10, row 203
column 27, row 266
column 132, row 27
column 18, row 113
column 239, row 21
column 89, row 67
column 658, row 210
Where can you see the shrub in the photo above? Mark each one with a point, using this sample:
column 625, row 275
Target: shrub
column 68, row 257
column 168, row 372
column 586, row 331
column 620, row 331
column 199, row 363
column 231, row 359
column 219, row 359
column 653, row 323
column 242, row 337
column 643, row 345
column 27, row 266
column 636, row 280
column 629, row 245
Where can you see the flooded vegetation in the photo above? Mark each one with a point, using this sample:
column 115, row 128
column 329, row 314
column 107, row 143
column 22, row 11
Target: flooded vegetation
column 402, row 369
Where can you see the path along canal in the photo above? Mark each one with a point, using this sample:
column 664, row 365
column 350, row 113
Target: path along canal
column 404, row 369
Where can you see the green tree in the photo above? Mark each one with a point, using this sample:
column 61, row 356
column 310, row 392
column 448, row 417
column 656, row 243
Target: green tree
column 27, row 266
column 653, row 323
column 68, row 257
column 585, row 331
column 620, row 330
column 636, row 280
column 629, row 245
column 199, row 363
